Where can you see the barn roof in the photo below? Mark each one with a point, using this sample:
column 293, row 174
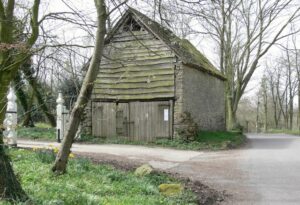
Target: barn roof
column 188, row 54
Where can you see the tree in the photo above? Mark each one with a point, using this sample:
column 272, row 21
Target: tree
column 13, row 53
column 60, row 163
column 274, row 77
column 264, row 95
column 36, row 88
column 244, row 32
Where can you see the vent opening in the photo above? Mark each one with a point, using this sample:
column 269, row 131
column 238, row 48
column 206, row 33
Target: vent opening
column 131, row 25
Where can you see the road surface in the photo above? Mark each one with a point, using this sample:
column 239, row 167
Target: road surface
column 266, row 171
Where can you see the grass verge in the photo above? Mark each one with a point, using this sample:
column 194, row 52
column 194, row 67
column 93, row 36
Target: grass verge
column 41, row 131
column 205, row 140
column 37, row 133
column 88, row 183
column 284, row 131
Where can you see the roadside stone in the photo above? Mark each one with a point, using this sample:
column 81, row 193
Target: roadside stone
column 170, row 189
column 143, row 170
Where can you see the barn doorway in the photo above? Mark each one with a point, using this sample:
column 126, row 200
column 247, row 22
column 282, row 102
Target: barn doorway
column 143, row 121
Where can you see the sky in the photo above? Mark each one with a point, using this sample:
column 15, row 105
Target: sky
column 205, row 45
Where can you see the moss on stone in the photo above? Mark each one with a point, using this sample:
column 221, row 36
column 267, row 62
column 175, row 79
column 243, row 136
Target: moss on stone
column 143, row 170
column 170, row 189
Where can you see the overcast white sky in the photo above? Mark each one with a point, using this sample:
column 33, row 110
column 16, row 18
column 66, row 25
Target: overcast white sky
column 203, row 44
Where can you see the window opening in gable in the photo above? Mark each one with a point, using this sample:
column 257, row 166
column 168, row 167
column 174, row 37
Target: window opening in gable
column 131, row 25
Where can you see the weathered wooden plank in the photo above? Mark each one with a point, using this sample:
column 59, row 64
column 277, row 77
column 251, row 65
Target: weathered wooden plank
column 122, row 120
column 143, row 48
column 142, row 79
column 135, row 36
column 139, row 42
column 130, row 50
column 114, row 67
column 146, row 96
column 132, row 38
column 136, row 74
column 135, row 69
column 104, row 119
column 145, row 85
column 138, row 91
column 107, row 63
column 120, row 55
column 121, row 59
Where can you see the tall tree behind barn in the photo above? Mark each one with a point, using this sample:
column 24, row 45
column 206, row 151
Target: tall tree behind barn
column 153, row 84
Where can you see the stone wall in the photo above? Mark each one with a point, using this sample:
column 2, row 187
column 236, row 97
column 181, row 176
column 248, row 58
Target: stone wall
column 203, row 98
column 178, row 104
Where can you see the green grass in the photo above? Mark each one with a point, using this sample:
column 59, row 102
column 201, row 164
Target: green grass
column 41, row 131
column 205, row 140
column 42, row 125
column 87, row 183
column 285, row 131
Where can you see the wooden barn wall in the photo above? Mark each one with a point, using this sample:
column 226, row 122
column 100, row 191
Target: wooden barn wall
column 135, row 66
column 140, row 121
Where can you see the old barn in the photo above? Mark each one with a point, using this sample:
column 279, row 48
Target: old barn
column 150, row 81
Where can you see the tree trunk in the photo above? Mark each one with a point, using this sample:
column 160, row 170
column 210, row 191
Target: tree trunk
column 265, row 99
column 230, row 116
column 28, row 121
column 265, row 115
column 10, row 62
column 257, row 116
column 60, row 163
column 10, row 188
column 286, row 112
column 291, row 113
column 29, row 74
column 298, row 103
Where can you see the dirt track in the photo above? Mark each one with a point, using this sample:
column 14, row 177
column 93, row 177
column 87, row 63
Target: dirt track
column 266, row 171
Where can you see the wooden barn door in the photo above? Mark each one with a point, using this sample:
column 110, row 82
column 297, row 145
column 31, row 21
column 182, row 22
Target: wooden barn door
column 122, row 120
column 150, row 120
column 104, row 119
column 134, row 120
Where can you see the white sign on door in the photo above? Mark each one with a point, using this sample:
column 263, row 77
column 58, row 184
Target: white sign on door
column 166, row 114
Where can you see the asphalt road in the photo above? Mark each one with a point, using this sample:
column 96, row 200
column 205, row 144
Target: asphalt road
column 266, row 171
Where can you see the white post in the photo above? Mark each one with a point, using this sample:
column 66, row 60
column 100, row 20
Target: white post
column 59, row 118
column 11, row 121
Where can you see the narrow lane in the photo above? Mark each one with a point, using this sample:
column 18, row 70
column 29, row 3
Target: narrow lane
column 266, row 171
